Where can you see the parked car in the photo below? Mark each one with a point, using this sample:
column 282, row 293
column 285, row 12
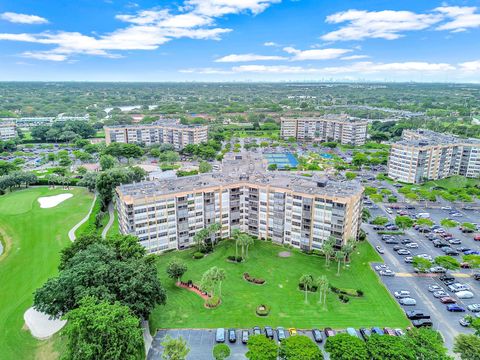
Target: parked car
column 387, row 272
column 399, row 332
column 474, row 307
column 434, row 288
column 389, row 331
column 406, row 241
column 257, row 330
column 455, row 241
column 422, row 323
column 403, row 252
column 456, row 287
column 329, row 332
column 440, row 293
column 269, row 332
column 232, row 335
column 391, row 241
column 401, row 294
column 379, row 249
column 408, row 259
column 455, row 308
column 438, row 270
column 476, row 276
column 476, row 237
column 366, row 333
column 220, row 335
column 412, row 245
column 465, row 322
column 292, row 331
column 245, row 336
column 446, row 277
column 448, row 300
column 378, row 331
column 465, row 265
column 281, row 333
column 464, row 294
column 352, row 332
column 416, row 315
column 408, row 301
column 317, row 335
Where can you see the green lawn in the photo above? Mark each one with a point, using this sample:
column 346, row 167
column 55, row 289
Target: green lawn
column 240, row 298
column 35, row 237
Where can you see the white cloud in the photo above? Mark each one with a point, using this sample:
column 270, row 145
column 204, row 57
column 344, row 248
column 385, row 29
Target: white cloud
column 208, row 71
column 147, row 29
column 315, row 54
column 271, row 44
column 248, row 57
column 269, row 69
column 461, row 18
column 470, row 66
column 386, row 24
column 354, row 57
column 23, row 18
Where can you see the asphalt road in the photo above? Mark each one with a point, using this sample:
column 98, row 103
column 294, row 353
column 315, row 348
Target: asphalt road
column 447, row 323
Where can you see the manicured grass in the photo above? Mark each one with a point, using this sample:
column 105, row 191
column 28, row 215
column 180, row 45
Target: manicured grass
column 35, row 237
column 185, row 309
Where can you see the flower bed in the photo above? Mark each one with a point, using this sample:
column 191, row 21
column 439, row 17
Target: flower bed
column 262, row 310
column 212, row 302
column 253, row 280
column 234, row 259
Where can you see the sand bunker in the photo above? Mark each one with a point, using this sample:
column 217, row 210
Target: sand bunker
column 285, row 254
column 40, row 325
column 52, row 201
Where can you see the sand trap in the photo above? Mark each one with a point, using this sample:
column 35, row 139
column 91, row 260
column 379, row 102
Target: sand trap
column 40, row 325
column 52, row 201
column 285, row 254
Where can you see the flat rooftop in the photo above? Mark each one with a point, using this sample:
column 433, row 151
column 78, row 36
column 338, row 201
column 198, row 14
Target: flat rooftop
column 250, row 171
column 173, row 123
column 429, row 138
column 341, row 118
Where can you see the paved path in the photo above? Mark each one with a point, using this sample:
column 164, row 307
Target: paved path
column 111, row 218
column 71, row 233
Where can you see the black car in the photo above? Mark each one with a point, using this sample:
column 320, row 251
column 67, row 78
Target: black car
column 257, row 330
column 232, row 335
column 409, row 207
column 438, row 243
column 391, row 241
column 451, row 252
column 366, row 333
column 269, row 332
column 416, row 315
column 406, row 241
column 476, row 276
column 447, row 277
column 397, row 247
column 317, row 335
column 422, row 323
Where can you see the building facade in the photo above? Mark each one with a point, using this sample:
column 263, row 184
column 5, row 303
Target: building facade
column 426, row 155
column 295, row 210
column 160, row 132
column 342, row 129
column 8, row 130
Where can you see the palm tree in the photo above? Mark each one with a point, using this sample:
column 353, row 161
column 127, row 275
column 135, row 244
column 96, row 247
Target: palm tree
column 307, row 281
column 249, row 240
column 213, row 229
column 235, row 235
column 339, row 256
column 322, row 284
column 219, row 277
column 347, row 250
column 243, row 239
column 328, row 249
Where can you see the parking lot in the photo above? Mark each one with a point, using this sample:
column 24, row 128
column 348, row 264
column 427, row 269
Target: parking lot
column 202, row 341
column 405, row 279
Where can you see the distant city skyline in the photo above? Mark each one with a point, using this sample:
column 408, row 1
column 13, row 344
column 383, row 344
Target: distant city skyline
column 240, row 40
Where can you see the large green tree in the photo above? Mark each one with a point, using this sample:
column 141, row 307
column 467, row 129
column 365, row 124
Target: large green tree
column 299, row 347
column 346, row 347
column 388, row 348
column 102, row 331
column 174, row 349
column 467, row 346
column 261, row 348
column 176, row 268
column 426, row 344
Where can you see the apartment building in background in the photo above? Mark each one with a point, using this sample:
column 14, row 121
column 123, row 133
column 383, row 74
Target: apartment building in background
column 287, row 209
column 339, row 128
column 8, row 130
column 424, row 155
column 165, row 131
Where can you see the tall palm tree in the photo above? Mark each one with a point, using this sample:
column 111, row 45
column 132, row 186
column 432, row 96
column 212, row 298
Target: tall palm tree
column 347, row 250
column 249, row 240
column 328, row 249
column 235, row 235
column 220, row 275
column 213, row 229
column 339, row 256
column 322, row 284
column 307, row 281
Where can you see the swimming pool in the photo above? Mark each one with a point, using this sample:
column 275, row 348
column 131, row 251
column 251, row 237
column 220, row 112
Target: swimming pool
column 282, row 160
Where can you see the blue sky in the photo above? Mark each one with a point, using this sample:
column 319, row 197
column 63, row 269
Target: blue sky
column 240, row 40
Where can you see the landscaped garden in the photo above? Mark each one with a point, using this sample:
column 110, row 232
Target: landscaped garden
column 34, row 237
column 368, row 302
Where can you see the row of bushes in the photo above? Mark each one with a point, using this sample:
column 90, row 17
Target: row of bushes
column 349, row 292
column 234, row 258
column 198, row 255
column 251, row 279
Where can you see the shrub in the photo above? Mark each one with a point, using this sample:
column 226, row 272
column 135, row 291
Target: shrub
column 262, row 310
column 212, row 302
column 251, row 279
column 221, row 351
column 239, row 259
column 343, row 298
column 359, row 293
column 231, row 258
column 198, row 255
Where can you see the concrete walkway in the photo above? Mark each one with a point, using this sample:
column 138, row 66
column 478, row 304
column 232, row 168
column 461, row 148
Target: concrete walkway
column 111, row 218
column 71, row 233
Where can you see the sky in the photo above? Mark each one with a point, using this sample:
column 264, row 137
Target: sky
column 240, row 40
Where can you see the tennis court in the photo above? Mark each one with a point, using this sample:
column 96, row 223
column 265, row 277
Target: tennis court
column 282, row 160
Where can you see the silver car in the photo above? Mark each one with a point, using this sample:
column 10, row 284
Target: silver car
column 408, row 301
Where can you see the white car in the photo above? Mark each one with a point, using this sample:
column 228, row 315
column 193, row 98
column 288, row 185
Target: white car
column 440, row 294
column 408, row 301
column 401, row 294
column 381, row 267
column 412, row 245
column 474, row 307
column 464, row 294
column 433, row 288
column 438, row 270
column 388, row 210
column 446, row 208
column 387, row 272
column 456, row 287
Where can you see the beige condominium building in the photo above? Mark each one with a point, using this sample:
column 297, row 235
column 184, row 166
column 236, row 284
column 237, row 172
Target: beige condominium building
column 288, row 209
column 339, row 128
column 426, row 155
column 8, row 130
column 166, row 131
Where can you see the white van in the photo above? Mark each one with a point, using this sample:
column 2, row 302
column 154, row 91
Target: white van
column 423, row 215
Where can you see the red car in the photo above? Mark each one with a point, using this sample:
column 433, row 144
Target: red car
column 476, row 237
column 448, row 300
